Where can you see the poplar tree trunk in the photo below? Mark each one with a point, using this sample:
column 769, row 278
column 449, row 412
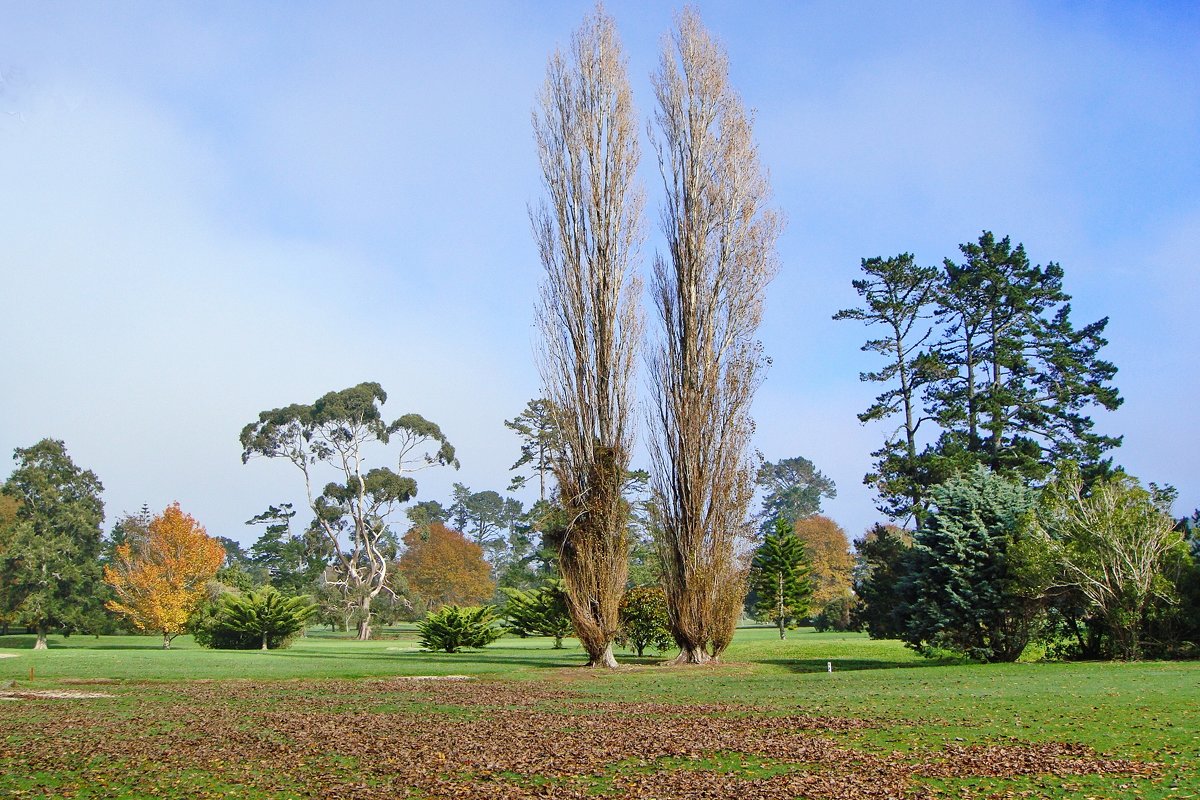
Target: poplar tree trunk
column 708, row 289
column 588, row 232
column 605, row 659
column 692, row 654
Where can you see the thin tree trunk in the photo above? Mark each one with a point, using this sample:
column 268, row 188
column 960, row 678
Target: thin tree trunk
column 166, row 641
column 541, row 472
column 910, row 428
column 972, row 411
column 264, row 640
column 779, row 601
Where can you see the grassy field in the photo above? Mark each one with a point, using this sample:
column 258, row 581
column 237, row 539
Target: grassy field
column 332, row 717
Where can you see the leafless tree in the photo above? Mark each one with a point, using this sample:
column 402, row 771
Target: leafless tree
column 707, row 364
column 588, row 231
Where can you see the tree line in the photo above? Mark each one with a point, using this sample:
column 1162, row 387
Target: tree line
column 1007, row 519
column 1023, row 530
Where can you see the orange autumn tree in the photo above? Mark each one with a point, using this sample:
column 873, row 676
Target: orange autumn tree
column 828, row 550
column 443, row 567
column 160, row 578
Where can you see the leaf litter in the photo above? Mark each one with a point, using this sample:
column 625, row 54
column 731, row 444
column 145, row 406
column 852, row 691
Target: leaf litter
column 506, row 740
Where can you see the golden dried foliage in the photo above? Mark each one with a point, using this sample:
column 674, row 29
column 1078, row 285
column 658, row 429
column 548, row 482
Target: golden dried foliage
column 873, row 532
column 160, row 579
column 709, row 290
column 588, row 231
column 8, row 517
column 828, row 552
column 444, row 567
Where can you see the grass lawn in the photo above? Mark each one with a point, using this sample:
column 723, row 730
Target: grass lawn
column 332, row 717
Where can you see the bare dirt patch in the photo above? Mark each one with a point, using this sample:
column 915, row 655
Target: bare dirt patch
column 482, row 740
column 50, row 694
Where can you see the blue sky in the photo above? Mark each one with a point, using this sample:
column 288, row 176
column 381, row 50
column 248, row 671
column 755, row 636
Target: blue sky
column 207, row 211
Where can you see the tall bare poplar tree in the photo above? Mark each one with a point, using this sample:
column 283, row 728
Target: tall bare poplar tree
column 588, row 232
column 709, row 291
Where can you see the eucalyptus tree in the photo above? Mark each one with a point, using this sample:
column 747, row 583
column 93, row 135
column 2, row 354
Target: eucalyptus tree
column 706, row 365
column 340, row 433
column 898, row 298
column 588, row 230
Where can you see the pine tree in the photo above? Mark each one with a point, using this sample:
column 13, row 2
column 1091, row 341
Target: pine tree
column 540, row 438
column 881, row 562
column 898, row 298
column 1018, row 378
column 781, row 576
column 1009, row 381
column 961, row 590
column 792, row 490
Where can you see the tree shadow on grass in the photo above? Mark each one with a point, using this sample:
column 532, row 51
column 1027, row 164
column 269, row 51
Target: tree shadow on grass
column 84, row 642
column 853, row 664
column 26, row 642
column 470, row 658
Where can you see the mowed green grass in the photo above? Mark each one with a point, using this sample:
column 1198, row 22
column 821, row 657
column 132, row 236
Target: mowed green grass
column 1146, row 711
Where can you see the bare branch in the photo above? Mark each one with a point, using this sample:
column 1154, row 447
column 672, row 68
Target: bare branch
column 588, row 230
column 709, row 292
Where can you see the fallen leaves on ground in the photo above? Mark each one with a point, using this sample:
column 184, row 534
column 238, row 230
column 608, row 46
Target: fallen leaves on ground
column 476, row 740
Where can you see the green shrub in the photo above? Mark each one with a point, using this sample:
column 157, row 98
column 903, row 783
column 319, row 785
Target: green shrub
column 452, row 628
column 644, row 620
column 540, row 612
column 264, row 620
column 838, row 615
